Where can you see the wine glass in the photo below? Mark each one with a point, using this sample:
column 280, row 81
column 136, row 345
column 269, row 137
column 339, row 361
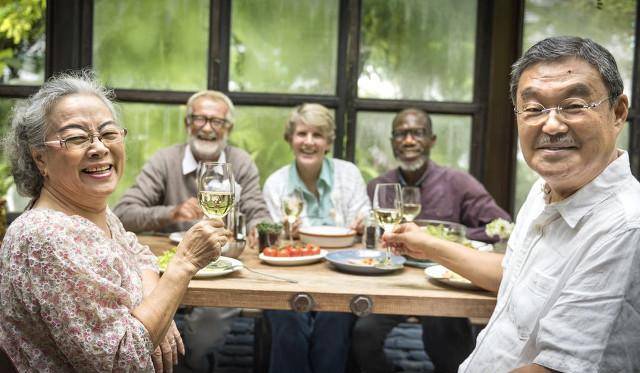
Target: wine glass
column 411, row 205
column 387, row 207
column 291, row 203
column 216, row 189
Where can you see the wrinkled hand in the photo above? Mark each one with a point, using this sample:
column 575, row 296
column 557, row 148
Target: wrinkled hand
column 165, row 355
column 187, row 211
column 202, row 243
column 409, row 239
column 252, row 238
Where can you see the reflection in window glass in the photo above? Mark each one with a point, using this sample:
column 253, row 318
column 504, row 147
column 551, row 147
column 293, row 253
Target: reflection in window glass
column 609, row 23
column 374, row 155
column 284, row 46
column 152, row 44
column 151, row 127
column 416, row 49
column 260, row 131
column 22, row 42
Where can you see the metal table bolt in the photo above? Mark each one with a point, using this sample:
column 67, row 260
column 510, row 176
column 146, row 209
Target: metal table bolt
column 361, row 305
column 302, row 302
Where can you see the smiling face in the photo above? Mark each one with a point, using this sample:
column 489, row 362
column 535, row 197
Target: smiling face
column 206, row 142
column 411, row 141
column 309, row 146
column 568, row 154
column 84, row 178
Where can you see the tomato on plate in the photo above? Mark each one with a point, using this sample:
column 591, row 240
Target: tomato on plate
column 315, row 250
column 284, row 252
column 305, row 251
column 270, row 251
column 295, row 251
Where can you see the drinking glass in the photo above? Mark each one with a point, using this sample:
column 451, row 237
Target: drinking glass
column 291, row 203
column 216, row 189
column 411, row 205
column 387, row 207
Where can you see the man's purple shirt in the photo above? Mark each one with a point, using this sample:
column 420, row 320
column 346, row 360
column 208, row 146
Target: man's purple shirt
column 450, row 195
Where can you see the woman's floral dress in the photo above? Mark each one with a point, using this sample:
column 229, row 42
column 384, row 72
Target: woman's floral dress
column 67, row 293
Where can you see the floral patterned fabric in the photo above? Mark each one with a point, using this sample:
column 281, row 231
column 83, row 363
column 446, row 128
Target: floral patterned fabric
column 67, row 293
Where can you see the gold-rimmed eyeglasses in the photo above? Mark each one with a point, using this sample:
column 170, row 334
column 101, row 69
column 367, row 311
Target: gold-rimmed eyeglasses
column 570, row 109
column 108, row 136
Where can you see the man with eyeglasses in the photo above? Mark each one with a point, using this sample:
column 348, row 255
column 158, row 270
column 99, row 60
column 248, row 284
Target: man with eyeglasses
column 569, row 283
column 163, row 199
column 446, row 194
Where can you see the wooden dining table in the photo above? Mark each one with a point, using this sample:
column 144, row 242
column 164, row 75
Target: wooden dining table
column 321, row 287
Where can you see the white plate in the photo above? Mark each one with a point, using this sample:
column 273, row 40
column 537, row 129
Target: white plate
column 207, row 272
column 176, row 237
column 292, row 260
column 442, row 274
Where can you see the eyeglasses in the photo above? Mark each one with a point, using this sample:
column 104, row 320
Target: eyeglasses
column 200, row 121
column 416, row 133
column 108, row 137
column 568, row 110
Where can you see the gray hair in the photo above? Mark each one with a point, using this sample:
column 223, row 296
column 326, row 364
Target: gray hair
column 559, row 47
column 214, row 96
column 314, row 115
column 30, row 124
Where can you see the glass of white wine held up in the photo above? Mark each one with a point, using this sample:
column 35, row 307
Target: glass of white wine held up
column 292, row 203
column 387, row 208
column 216, row 189
column 411, row 205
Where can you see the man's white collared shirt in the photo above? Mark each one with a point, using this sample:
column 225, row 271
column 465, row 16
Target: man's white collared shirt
column 569, row 299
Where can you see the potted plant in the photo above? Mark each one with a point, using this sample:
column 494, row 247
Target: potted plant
column 268, row 234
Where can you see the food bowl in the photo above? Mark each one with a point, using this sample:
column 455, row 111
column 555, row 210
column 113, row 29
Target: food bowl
column 327, row 236
column 447, row 230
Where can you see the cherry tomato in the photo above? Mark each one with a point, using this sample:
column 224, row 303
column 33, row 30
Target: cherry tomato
column 295, row 251
column 284, row 252
column 270, row 251
column 305, row 251
column 315, row 250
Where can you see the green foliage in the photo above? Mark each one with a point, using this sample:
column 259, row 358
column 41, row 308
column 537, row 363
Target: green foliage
column 6, row 180
column 266, row 227
column 21, row 26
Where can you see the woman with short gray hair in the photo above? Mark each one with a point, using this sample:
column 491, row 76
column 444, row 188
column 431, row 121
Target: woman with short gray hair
column 78, row 292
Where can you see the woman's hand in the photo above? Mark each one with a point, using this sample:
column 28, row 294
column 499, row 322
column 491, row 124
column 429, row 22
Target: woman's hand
column 201, row 244
column 165, row 355
column 409, row 239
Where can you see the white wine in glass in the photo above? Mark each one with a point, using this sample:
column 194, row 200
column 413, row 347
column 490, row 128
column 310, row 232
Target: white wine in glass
column 216, row 189
column 411, row 205
column 387, row 208
column 292, row 204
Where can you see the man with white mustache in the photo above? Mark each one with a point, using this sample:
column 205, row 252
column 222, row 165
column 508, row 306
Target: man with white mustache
column 445, row 194
column 568, row 285
column 163, row 199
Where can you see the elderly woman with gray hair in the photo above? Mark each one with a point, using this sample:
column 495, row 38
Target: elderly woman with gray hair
column 78, row 292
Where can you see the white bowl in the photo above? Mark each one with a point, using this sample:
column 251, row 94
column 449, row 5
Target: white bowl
column 326, row 236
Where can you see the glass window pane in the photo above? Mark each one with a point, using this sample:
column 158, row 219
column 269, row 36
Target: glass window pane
column 609, row 23
column 260, row 131
column 22, row 42
column 374, row 155
column 151, row 127
column 284, row 46
column 151, row 44
column 416, row 49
